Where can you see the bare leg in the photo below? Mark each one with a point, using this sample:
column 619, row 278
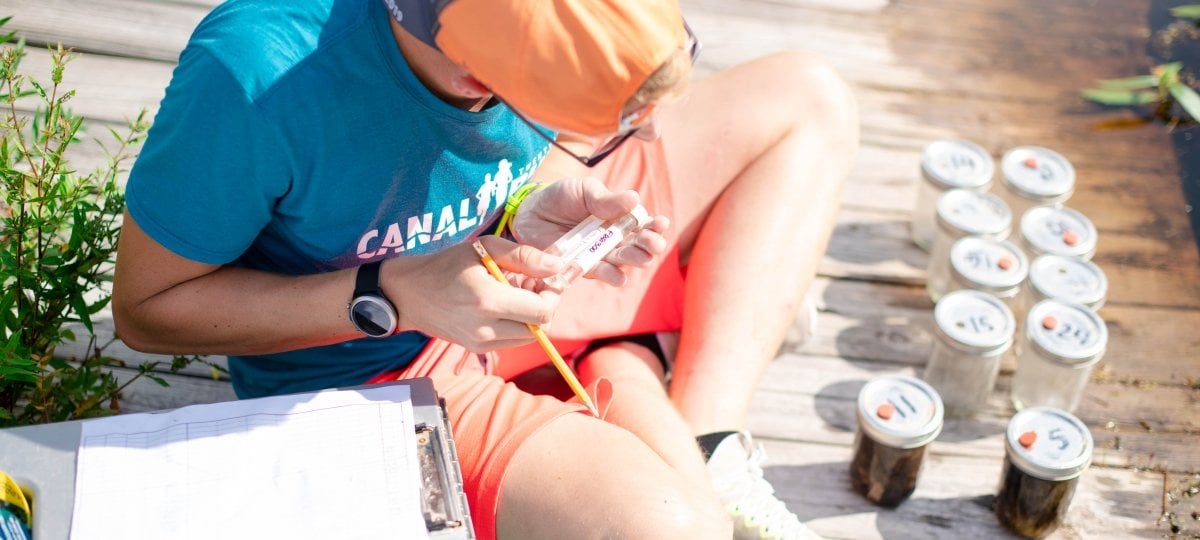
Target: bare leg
column 640, row 405
column 581, row 478
column 758, row 153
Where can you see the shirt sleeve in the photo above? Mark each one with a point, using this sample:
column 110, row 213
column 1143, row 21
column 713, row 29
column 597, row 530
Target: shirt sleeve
column 212, row 167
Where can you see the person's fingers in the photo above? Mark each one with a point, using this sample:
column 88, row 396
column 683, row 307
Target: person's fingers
column 608, row 273
column 606, row 204
column 521, row 258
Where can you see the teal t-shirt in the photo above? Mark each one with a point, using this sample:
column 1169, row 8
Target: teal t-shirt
column 295, row 139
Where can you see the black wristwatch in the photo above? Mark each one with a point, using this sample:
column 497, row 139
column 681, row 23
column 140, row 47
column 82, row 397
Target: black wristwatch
column 370, row 311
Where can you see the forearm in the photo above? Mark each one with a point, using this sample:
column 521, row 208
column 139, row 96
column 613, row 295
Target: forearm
column 238, row 311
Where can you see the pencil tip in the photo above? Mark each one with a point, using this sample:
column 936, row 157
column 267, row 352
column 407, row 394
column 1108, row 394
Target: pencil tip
column 592, row 409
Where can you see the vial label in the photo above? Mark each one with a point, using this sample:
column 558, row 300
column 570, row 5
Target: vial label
column 1069, row 279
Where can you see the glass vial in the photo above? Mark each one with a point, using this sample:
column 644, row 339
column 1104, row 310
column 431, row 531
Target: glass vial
column 1067, row 279
column 961, row 213
column 585, row 245
column 1046, row 450
column 898, row 417
column 992, row 266
column 1062, row 343
column 1033, row 176
column 947, row 164
column 1057, row 231
column 973, row 329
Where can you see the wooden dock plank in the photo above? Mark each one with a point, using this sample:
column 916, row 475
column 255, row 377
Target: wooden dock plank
column 134, row 28
column 1003, row 74
column 952, row 500
column 810, row 398
column 872, row 320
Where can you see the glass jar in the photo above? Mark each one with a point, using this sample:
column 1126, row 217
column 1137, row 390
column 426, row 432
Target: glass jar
column 962, row 213
column 1045, row 452
column 1034, row 176
column 974, row 330
column 898, row 417
column 1061, row 344
column 1057, row 231
column 947, row 164
column 1066, row 279
column 992, row 266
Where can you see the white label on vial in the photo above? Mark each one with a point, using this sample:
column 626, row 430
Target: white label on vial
column 597, row 245
column 570, row 243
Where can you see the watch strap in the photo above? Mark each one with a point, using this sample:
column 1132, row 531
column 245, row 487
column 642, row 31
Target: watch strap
column 367, row 280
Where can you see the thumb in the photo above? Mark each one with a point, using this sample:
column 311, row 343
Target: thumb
column 606, row 204
column 522, row 258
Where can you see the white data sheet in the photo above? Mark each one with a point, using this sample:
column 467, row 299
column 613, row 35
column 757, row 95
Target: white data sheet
column 333, row 464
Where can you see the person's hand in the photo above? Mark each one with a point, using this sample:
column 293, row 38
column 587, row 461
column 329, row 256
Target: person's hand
column 450, row 295
column 549, row 213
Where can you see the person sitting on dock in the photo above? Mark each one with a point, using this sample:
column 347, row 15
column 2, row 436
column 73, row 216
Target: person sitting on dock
column 307, row 153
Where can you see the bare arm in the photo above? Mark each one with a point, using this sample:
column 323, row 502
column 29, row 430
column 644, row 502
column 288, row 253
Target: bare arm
column 165, row 303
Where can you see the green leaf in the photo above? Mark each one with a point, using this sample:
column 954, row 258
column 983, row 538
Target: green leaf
column 1189, row 11
column 80, row 308
column 161, row 382
column 1168, row 73
column 1187, row 98
column 1120, row 97
column 1130, row 83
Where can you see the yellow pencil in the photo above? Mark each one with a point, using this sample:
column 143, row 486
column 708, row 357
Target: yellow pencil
column 541, row 338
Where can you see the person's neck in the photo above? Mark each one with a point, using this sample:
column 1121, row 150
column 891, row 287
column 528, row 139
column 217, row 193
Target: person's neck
column 437, row 72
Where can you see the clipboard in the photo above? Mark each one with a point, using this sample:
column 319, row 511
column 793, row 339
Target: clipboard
column 42, row 459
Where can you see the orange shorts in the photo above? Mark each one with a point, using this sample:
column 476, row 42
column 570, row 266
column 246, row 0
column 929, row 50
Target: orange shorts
column 489, row 416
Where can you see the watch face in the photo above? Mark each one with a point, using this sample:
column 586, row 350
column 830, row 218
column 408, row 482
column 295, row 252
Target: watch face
column 373, row 316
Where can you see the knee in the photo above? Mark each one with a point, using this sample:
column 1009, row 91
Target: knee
column 677, row 515
column 815, row 95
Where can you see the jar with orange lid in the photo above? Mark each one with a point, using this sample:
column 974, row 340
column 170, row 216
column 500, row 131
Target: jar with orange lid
column 947, row 164
column 1034, row 176
column 1057, row 231
column 898, row 417
column 1061, row 344
column 1046, row 451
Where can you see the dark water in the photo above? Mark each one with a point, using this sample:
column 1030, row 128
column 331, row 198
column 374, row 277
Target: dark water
column 1171, row 40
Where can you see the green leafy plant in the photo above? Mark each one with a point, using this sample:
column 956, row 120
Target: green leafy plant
column 58, row 242
column 1189, row 11
column 1162, row 86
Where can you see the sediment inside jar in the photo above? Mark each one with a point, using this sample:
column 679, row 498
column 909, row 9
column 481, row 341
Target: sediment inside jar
column 1030, row 506
column 884, row 475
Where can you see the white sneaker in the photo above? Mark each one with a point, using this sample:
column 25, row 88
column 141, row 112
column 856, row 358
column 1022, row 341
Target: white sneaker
column 736, row 470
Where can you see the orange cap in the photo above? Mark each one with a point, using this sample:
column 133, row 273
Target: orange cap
column 569, row 64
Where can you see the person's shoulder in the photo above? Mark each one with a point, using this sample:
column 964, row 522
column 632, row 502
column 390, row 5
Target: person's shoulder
column 260, row 41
